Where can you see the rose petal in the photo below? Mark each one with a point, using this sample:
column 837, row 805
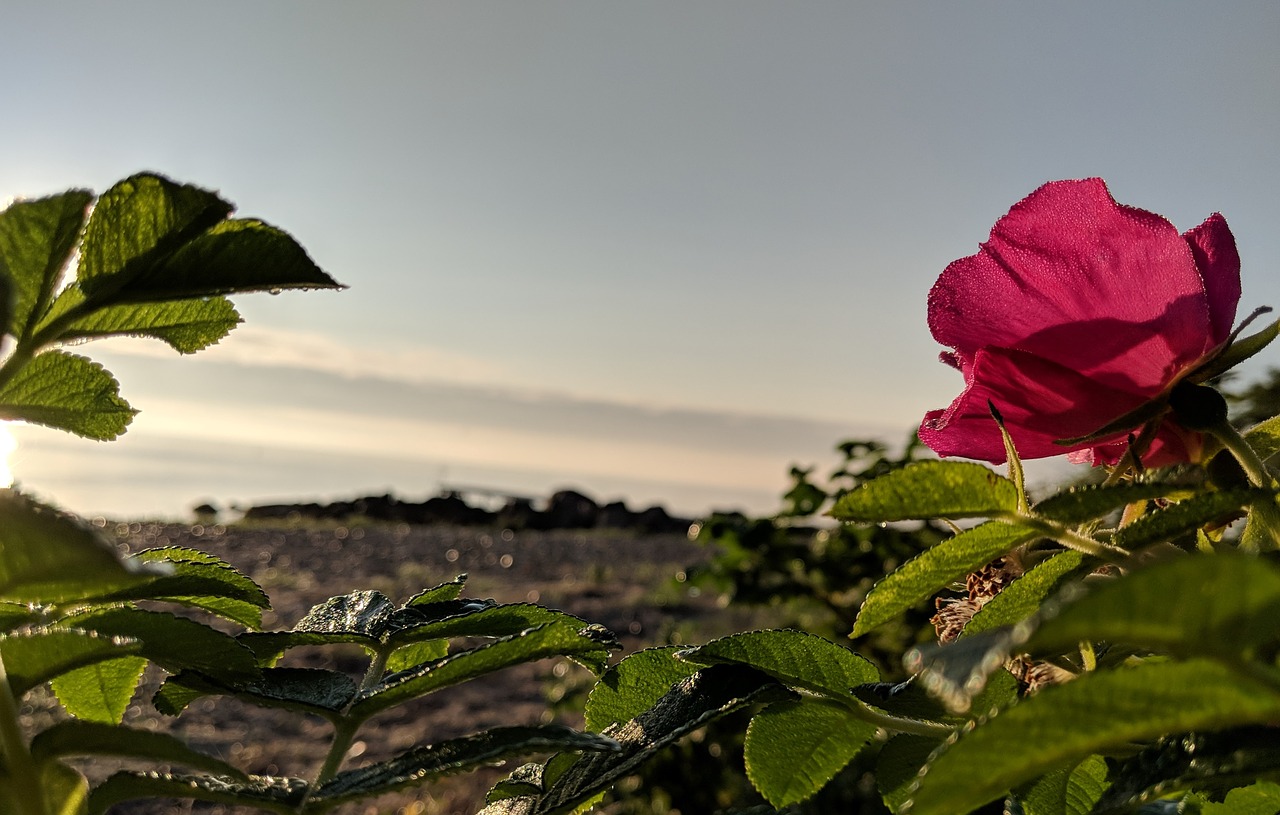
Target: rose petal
column 1040, row 401
column 1214, row 249
column 1070, row 275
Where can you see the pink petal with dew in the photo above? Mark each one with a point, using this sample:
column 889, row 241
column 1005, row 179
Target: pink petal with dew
column 1069, row 264
column 1214, row 249
column 1040, row 401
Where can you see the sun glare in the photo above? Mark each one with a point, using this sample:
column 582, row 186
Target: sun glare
column 7, row 445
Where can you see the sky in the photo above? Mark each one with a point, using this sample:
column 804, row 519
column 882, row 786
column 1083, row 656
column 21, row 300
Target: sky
column 655, row 251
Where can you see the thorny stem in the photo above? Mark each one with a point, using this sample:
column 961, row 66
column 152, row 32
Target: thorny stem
column 1267, row 510
column 22, row 768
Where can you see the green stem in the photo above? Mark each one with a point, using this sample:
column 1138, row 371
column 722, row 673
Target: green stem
column 344, row 728
column 1266, row 511
column 1072, row 539
column 916, row 727
column 23, row 774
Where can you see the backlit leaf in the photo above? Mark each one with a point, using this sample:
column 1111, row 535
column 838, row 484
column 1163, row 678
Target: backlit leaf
column 138, row 224
column 242, row 255
column 67, row 392
column 1262, row 798
column 185, row 325
column 35, row 656
column 1184, row 516
column 1096, row 712
column 931, row 489
column 451, row 590
column 174, row 643
column 536, row 643
column 49, row 556
column 1194, row 604
column 1078, row 504
column 934, row 569
column 36, row 240
column 1022, row 598
column 100, row 692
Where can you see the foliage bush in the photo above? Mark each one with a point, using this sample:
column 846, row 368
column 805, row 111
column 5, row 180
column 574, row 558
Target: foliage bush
column 1115, row 646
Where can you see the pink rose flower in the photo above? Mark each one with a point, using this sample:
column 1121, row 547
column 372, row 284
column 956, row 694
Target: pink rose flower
column 1077, row 311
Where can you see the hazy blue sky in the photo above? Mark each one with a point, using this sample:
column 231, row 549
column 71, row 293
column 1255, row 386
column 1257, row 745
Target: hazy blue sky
column 652, row 249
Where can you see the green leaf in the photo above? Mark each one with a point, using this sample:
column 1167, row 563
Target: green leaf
column 1239, row 351
column 242, row 255
column 186, row 326
column 410, row 656
column 934, row 569
column 135, row 226
column 77, row 738
column 361, row 618
column 898, row 767
column 316, row 691
column 1023, row 597
column 174, row 643
column 417, row 623
column 451, row 590
column 1264, row 437
column 1094, row 713
column 634, row 685
column 931, row 489
column 794, row 748
column 794, row 658
column 198, row 580
column 1176, row 519
column 270, row 793
column 456, row 755
column 536, row 643
column 36, row 655
column 65, row 789
column 47, row 556
column 1262, row 798
column 696, row 701
column 100, row 692
column 1223, row 604
column 1071, row 791
column 36, row 241
column 67, row 392
column 1078, row 504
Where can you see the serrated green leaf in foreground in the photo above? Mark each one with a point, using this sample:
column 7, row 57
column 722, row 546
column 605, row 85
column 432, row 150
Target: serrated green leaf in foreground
column 795, row 658
column 49, row 557
column 794, row 748
column 1099, row 711
column 100, row 692
column 186, row 326
column 634, row 685
column 1224, row 604
column 931, row 489
column 1071, row 791
column 67, row 392
column 1022, row 598
column 934, row 569
column 36, row 239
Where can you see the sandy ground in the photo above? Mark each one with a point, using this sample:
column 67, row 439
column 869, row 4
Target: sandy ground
column 623, row 581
